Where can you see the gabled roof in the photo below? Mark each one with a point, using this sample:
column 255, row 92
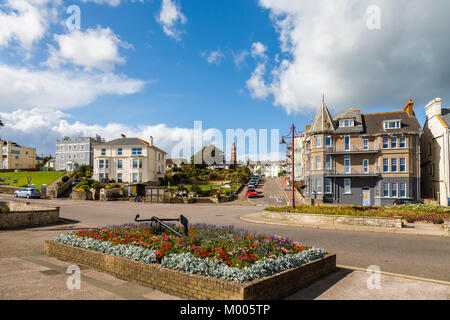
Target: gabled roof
column 323, row 121
column 445, row 116
column 349, row 114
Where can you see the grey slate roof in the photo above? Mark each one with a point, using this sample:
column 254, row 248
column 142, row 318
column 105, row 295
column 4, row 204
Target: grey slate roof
column 349, row 114
column 128, row 142
column 323, row 121
column 124, row 142
column 374, row 122
column 445, row 115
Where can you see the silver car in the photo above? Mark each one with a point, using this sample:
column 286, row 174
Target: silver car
column 27, row 193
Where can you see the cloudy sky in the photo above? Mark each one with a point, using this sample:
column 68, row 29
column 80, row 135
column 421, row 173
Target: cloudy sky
column 153, row 67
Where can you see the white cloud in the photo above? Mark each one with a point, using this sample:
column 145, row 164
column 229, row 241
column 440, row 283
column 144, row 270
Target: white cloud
column 23, row 21
column 112, row 3
column 34, row 128
column 42, row 129
column 239, row 58
column 259, row 50
column 216, row 57
column 256, row 85
column 327, row 47
column 93, row 49
column 169, row 17
column 26, row 88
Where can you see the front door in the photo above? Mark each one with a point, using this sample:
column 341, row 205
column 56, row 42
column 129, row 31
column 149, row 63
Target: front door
column 366, row 198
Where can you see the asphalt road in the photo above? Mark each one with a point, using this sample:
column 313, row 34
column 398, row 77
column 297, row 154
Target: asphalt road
column 420, row 256
column 269, row 193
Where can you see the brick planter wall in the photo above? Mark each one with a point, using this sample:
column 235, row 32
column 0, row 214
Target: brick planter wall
column 19, row 214
column 308, row 218
column 191, row 286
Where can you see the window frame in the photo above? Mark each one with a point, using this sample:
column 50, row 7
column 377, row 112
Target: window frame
column 396, row 165
column 349, row 186
column 349, row 158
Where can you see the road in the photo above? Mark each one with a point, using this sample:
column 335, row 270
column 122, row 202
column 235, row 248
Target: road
column 269, row 193
column 420, row 256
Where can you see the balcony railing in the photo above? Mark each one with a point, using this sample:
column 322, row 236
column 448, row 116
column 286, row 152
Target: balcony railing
column 349, row 149
column 371, row 172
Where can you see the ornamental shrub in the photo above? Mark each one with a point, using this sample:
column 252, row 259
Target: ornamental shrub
column 65, row 179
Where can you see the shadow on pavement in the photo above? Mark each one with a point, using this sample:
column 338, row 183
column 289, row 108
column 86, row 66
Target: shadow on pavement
column 319, row 287
column 62, row 222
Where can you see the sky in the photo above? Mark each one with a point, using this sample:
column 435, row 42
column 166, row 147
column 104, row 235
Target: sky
column 153, row 67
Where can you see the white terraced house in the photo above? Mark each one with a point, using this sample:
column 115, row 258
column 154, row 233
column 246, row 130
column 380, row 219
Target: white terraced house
column 129, row 160
column 436, row 153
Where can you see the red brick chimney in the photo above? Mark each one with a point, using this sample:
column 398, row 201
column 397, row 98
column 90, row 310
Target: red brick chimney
column 409, row 108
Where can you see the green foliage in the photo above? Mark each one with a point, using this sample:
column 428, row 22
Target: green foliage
column 96, row 185
column 195, row 188
column 65, row 179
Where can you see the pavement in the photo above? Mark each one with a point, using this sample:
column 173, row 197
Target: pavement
column 412, row 267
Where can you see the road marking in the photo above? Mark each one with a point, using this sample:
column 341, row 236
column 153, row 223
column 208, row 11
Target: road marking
column 398, row 275
column 282, row 191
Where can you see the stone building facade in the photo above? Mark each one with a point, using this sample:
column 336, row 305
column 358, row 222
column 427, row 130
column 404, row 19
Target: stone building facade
column 71, row 153
column 129, row 160
column 363, row 159
column 14, row 156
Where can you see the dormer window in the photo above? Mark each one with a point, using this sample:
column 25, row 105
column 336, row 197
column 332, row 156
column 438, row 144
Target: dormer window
column 346, row 123
column 392, row 124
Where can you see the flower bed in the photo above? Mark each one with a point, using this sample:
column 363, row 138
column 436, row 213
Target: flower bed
column 411, row 213
column 220, row 252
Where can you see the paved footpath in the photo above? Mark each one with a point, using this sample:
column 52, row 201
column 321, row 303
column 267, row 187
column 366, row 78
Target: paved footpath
column 25, row 273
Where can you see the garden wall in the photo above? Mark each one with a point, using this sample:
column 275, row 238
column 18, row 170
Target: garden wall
column 8, row 190
column 22, row 214
column 335, row 219
column 191, row 286
column 55, row 191
column 447, row 225
column 81, row 195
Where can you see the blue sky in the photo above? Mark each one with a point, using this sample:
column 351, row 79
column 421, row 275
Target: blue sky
column 154, row 67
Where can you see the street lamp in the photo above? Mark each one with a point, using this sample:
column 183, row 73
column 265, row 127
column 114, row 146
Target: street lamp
column 291, row 136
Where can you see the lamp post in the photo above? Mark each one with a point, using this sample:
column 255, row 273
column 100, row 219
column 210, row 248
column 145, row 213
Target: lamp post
column 291, row 136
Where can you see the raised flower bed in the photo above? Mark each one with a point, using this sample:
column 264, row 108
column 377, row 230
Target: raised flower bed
column 227, row 263
column 410, row 213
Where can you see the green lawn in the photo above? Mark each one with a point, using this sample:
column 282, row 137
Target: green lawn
column 37, row 178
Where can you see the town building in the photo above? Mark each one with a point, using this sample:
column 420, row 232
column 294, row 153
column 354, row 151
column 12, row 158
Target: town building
column 129, row 160
column 71, row 153
column 363, row 159
column 435, row 146
column 210, row 156
column 15, row 156
column 171, row 162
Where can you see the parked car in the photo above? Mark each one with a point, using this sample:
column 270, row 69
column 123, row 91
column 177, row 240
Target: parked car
column 250, row 186
column 399, row 202
column 76, row 181
column 252, row 194
column 27, row 193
